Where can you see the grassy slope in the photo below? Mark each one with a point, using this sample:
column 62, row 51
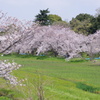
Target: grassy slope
column 60, row 78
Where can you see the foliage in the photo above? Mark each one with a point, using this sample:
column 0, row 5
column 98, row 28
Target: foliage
column 42, row 18
column 61, row 23
column 85, row 23
column 6, row 94
column 96, row 24
column 83, row 17
column 86, row 87
column 82, row 24
column 54, row 18
column 5, row 98
column 84, row 55
column 77, row 60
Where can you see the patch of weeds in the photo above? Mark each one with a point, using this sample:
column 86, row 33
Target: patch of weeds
column 21, row 55
column 77, row 60
column 87, row 88
column 4, row 98
column 41, row 57
column 24, row 55
column 6, row 94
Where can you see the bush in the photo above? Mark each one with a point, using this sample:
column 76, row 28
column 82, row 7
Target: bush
column 5, row 98
column 6, row 94
column 86, row 87
column 84, row 54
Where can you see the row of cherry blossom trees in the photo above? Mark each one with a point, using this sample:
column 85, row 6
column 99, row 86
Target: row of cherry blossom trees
column 28, row 37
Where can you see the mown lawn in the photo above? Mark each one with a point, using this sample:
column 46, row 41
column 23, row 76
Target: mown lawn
column 59, row 80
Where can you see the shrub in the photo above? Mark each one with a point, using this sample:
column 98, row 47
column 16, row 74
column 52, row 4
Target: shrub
column 86, row 87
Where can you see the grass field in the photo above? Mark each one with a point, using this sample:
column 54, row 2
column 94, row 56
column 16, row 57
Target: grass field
column 58, row 79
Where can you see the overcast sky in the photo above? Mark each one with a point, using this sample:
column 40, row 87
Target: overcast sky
column 28, row 9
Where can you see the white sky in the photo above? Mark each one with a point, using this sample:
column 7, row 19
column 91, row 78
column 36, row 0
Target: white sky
column 28, row 9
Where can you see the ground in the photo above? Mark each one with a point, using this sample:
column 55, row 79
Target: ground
column 59, row 80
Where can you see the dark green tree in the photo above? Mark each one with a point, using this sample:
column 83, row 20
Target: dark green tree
column 42, row 17
column 81, row 27
column 83, row 24
column 82, row 17
column 96, row 23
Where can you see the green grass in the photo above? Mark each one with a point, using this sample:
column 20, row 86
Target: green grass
column 61, row 80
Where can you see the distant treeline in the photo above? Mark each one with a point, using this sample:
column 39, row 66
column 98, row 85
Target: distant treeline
column 83, row 23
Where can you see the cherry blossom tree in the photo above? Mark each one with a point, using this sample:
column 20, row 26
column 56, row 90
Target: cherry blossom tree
column 6, row 68
column 29, row 37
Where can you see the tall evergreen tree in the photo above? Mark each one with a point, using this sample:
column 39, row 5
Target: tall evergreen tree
column 42, row 17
